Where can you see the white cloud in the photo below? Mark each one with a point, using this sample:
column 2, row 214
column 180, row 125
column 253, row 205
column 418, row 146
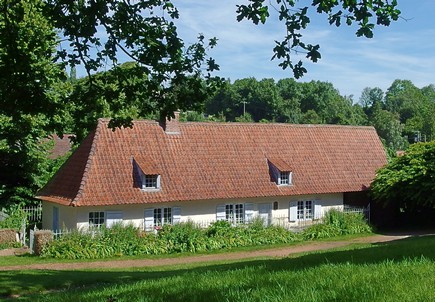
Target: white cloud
column 405, row 50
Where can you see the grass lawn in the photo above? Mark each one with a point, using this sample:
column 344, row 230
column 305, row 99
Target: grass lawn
column 394, row 271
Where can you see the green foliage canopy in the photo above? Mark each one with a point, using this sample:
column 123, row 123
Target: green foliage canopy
column 31, row 97
column 408, row 180
column 285, row 101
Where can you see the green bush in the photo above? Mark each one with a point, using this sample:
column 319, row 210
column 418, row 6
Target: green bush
column 336, row 223
column 183, row 237
column 16, row 219
column 102, row 243
column 188, row 237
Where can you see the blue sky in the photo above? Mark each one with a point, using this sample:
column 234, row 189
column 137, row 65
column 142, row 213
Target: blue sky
column 404, row 50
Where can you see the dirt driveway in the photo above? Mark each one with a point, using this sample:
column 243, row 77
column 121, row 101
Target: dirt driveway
column 275, row 252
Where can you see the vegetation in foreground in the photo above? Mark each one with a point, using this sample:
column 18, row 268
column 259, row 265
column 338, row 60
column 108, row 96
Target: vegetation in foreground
column 187, row 237
column 394, row 271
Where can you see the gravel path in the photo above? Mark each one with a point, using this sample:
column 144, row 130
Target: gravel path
column 275, row 252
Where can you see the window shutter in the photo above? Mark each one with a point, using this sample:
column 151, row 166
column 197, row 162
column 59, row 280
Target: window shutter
column 158, row 181
column 149, row 219
column 249, row 212
column 176, row 215
column 113, row 218
column 293, row 211
column 317, row 210
column 220, row 212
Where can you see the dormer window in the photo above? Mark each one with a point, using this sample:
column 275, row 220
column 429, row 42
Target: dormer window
column 281, row 172
column 147, row 174
column 150, row 181
column 284, row 178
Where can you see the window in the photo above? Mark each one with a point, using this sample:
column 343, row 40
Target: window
column 146, row 174
column 275, row 205
column 305, row 210
column 234, row 213
column 284, row 178
column 151, row 181
column 162, row 216
column 280, row 171
column 96, row 219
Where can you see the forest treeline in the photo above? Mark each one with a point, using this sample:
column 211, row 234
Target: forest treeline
column 402, row 114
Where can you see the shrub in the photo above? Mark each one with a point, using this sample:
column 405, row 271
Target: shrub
column 337, row 223
column 183, row 237
column 188, row 237
column 15, row 220
column 218, row 228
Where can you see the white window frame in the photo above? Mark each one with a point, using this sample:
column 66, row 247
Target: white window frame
column 97, row 216
column 162, row 216
column 157, row 217
column 284, row 178
column 307, row 209
column 150, row 182
column 235, row 213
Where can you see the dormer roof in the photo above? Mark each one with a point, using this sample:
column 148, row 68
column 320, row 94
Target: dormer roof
column 281, row 164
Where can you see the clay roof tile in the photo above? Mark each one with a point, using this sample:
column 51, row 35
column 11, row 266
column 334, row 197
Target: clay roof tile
column 215, row 161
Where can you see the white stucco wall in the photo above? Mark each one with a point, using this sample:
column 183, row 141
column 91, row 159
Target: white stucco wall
column 67, row 216
column 202, row 212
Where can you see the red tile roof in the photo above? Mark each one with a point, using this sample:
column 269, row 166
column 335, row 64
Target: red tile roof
column 215, row 161
column 61, row 145
column 281, row 164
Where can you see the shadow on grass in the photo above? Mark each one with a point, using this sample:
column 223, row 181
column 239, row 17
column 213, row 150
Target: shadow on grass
column 26, row 282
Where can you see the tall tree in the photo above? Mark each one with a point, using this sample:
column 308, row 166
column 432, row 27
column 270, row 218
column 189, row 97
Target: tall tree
column 370, row 97
column 98, row 31
column 223, row 102
column 31, row 96
column 289, row 109
column 389, row 128
column 258, row 98
column 326, row 101
column 409, row 102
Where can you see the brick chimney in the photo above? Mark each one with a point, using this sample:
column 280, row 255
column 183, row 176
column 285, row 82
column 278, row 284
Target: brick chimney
column 172, row 126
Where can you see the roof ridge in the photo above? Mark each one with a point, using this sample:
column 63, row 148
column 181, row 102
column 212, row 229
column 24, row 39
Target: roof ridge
column 106, row 120
column 271, row 124
column 96, row 135
column 275, row 124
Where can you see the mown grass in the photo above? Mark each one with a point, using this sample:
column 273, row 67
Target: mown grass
column 395, row 271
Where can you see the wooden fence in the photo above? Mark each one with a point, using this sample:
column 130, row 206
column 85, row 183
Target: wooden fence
column 34, row 213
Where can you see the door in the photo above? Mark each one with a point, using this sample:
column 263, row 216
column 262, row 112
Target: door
column 55, row 219
column 265, row 213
